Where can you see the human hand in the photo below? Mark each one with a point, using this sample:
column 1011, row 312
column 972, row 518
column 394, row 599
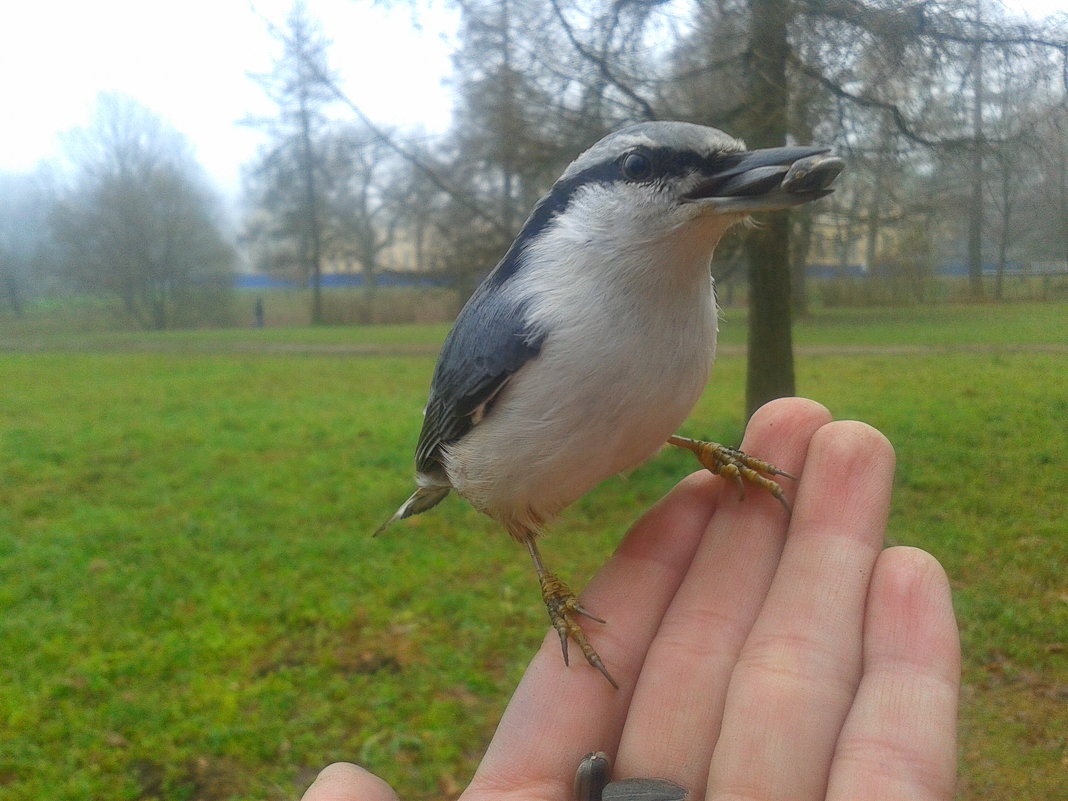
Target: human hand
column 759, row 657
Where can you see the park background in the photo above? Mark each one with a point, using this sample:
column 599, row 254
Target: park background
column 210, row 395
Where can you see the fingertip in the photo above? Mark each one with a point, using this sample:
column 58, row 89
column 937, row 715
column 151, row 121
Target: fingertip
column 900, row 738
column 344, row 781
column 779, row 432
column 788, row 412
column 913, row 606
column 845, row 439
column 909, row 575
column 906, row 568
column 847, row 480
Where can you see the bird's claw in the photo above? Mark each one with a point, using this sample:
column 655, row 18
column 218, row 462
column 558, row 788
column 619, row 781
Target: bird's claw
column 736, row 465
column 563, row 607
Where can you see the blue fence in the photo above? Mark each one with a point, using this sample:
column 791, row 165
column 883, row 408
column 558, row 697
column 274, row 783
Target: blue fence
column 264, row 281
column 340, row 281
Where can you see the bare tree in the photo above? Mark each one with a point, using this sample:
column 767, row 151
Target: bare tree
column 1049, row 197
column 287, row 176
column 364, row 199
column 1017, row 101
column 25, row 247
column 927, row 68
column 138, row 222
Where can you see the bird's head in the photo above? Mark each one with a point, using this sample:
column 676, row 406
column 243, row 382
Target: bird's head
column 649, row 180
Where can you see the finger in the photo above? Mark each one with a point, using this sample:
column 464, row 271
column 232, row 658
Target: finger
column 344, row 781
column 899, row 740
column 798, row 670
column 559, row 713
column 671, row 727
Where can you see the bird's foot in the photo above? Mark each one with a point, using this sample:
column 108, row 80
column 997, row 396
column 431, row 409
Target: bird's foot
column 735, row 465
column 563, row 608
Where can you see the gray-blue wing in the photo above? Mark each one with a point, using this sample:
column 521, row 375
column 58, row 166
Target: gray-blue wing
column 488, row 344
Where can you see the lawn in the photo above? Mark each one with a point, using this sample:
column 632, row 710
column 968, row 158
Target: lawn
column 191, row 606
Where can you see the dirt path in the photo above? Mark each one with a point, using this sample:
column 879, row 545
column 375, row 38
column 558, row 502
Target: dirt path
column 368, row 350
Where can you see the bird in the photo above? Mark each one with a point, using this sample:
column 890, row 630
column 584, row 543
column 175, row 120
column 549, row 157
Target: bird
column 587, row 346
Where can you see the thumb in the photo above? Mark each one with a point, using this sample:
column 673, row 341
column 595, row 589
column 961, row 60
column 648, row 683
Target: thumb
column 344, row 781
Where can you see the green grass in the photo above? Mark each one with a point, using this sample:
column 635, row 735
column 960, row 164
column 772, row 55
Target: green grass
column 940, row 326
column 191, row 605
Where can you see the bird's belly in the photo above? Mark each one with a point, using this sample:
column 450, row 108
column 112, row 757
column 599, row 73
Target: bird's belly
column 551, row 437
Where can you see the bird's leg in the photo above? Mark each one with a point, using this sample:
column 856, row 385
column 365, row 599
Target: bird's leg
column 735, row 465
column 563, row 608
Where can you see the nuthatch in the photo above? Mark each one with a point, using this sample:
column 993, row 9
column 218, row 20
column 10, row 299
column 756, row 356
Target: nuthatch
column 590, row 342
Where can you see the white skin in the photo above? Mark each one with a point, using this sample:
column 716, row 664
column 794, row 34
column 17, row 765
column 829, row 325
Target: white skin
column 767, row 657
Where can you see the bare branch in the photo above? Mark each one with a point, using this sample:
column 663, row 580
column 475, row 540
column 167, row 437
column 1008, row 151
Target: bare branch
column 458, row 195
column 413, row 158
column 601, row 63
column 901, row 121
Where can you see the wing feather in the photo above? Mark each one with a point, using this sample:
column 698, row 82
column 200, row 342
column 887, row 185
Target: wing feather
column 488, row 344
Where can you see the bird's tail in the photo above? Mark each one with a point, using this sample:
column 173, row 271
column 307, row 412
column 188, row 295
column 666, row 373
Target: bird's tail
column 422, row 499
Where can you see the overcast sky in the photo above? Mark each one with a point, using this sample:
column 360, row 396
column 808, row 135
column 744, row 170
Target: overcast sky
column 189, row 62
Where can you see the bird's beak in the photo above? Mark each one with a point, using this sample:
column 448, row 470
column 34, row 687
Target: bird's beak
column 763, row 180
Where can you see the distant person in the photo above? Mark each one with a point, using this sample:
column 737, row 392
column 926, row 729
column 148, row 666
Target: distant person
column 259, row 312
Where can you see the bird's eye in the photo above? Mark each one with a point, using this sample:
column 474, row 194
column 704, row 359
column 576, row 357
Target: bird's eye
column 637, row 166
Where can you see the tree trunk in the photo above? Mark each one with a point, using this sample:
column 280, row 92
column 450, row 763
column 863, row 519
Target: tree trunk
column 311, row 200
column 771, row 359
column 770, row 362
column 871, row 234
column 800, row 246
column 975, row 213
column 11, row 289
column 1005, row 232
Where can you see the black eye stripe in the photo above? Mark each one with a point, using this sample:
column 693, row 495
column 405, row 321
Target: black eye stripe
column 666, row 163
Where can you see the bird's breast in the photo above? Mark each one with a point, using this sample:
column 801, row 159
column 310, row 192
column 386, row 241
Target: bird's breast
column 610, row 384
